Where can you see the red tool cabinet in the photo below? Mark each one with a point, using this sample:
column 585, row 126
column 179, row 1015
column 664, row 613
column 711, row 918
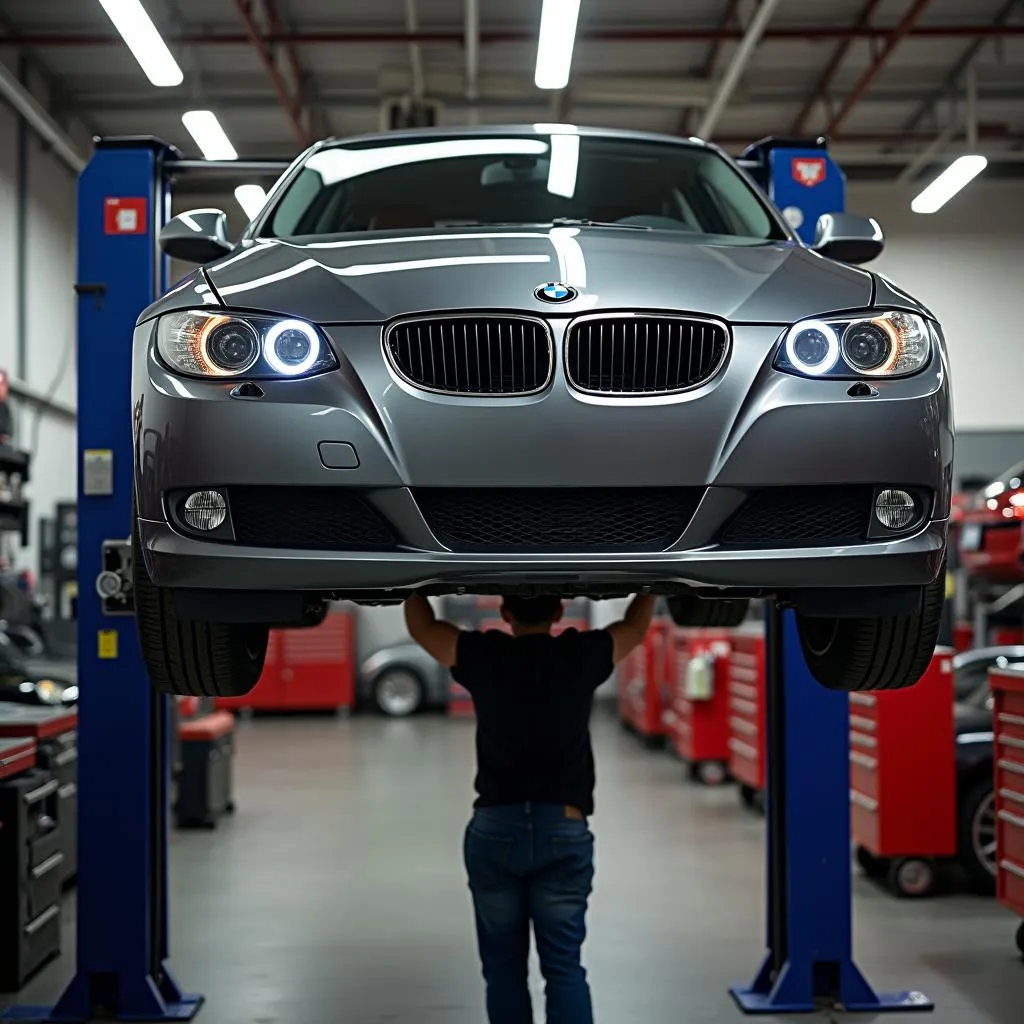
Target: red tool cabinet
column 306, row 669
column 1008, row 722
column 643, row 694
column 699, row 727
column 903, row 778
column 746, row 689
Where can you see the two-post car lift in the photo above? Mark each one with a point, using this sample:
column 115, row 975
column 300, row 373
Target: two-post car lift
column 123, row 971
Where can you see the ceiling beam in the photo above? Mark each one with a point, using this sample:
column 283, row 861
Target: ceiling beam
column 736, row 67
column 35, row 115
column 955, row 73
column 893, row 40
column 494, row 89
column 821, row 89
column 455, row 36
column 261, row 37
column 472, row 48
column 707, row 71
column 928, row 155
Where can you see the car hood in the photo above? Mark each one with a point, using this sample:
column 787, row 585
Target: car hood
column 388, row 274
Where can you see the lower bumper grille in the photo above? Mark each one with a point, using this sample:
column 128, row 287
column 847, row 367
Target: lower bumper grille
column 307, row 518
column 800, row 517
column 558, row 519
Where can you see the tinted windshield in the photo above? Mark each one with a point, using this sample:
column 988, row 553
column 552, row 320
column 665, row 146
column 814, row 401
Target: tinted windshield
column 528, row 179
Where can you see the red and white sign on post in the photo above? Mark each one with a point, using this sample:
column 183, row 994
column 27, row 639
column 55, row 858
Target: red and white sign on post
column 809, row 171
column 124, row 216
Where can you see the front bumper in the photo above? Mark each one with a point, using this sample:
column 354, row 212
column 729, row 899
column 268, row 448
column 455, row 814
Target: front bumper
column 176, row 561
column 751, row 427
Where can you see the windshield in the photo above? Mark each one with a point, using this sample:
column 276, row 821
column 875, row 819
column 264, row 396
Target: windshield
column 405, row 184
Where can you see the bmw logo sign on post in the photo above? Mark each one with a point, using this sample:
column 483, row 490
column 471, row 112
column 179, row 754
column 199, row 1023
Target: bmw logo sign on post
column 556, row 291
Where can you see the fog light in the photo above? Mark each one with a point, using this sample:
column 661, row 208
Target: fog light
column 894, row 509
column 206, row 510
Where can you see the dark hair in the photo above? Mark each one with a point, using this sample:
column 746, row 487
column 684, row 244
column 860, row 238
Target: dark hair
column 533, row 611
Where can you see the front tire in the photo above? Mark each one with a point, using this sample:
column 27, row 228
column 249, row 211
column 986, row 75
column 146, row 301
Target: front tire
column 707, row 613
column 887, row 653
column 187, row 658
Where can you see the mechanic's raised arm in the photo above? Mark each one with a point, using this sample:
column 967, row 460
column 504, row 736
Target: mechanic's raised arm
column 630, row 630
column 438, row 638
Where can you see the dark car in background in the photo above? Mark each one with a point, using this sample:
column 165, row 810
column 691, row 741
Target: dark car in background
column 989, row 535
column 975, row 788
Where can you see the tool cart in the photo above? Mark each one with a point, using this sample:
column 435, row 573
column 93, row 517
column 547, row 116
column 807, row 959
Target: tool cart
column 1008, row 722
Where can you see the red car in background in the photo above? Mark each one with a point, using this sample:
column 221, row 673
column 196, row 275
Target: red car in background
column 990, row 536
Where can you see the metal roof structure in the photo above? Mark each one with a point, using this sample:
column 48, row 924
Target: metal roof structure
column 889, row 81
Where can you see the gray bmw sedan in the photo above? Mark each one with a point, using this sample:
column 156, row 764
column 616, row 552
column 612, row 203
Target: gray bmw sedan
column 538, row 359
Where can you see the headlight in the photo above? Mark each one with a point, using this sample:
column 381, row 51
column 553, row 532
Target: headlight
column 209, row 344
column 893, row 344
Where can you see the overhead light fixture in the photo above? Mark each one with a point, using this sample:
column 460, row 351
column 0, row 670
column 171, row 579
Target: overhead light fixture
column 554, row 47
column 144, row 40
column 209, row 136
column 251, row 198
column 564, row 165
column 958, row 174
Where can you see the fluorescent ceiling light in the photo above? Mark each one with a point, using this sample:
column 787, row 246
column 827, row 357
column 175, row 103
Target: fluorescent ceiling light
column 565, row 161
column 251, row 198
column 142, row 38
column 204, row 127
column 958, row 174
column 554, row 47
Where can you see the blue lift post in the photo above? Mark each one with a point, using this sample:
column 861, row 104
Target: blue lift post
column 124, row 764
column 809, row 964
column 801, row 180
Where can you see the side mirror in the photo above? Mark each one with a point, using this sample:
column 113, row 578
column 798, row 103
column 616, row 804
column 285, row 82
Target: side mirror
column 848, row 238
column 198, row 236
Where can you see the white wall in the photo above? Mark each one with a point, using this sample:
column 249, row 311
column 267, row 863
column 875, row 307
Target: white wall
column 966, row 263
column 49, row 267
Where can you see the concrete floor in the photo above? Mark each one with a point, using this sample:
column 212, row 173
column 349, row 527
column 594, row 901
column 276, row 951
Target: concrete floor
column 336, row 894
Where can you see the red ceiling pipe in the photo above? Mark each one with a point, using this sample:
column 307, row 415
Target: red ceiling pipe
column 993, row 132
column 831, row 70
column 898, row 35
column 292, row 105
column 806, row 33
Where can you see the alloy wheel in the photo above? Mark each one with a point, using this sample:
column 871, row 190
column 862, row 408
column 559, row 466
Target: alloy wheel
column 983, row 833
column 399, row 693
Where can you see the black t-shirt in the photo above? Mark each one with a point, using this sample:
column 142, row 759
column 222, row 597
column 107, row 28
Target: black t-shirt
column 533, row 696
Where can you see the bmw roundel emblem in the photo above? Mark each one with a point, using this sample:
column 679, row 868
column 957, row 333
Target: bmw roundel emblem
column 556, row 291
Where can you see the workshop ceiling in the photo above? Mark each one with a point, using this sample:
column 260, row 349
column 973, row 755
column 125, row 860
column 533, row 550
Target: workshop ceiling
column 886, row 79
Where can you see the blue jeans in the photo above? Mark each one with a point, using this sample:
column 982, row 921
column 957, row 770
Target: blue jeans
column 531, row 863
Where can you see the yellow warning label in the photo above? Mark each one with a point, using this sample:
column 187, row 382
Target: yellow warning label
column 107, row 643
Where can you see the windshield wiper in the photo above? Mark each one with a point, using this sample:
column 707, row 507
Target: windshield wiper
column 586, row 222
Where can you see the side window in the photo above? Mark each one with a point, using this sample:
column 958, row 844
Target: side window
column 295, row 203
column 734, row 199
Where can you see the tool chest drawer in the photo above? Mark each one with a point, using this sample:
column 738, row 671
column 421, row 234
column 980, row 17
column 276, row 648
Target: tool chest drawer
column 903, row 766
column 697, row 673
column 642, row 687
column 31, row 873
column 1008, row 727
column 746, row 707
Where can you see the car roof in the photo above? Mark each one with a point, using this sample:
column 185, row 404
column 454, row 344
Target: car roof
column 988, row 654
column 470, row 131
